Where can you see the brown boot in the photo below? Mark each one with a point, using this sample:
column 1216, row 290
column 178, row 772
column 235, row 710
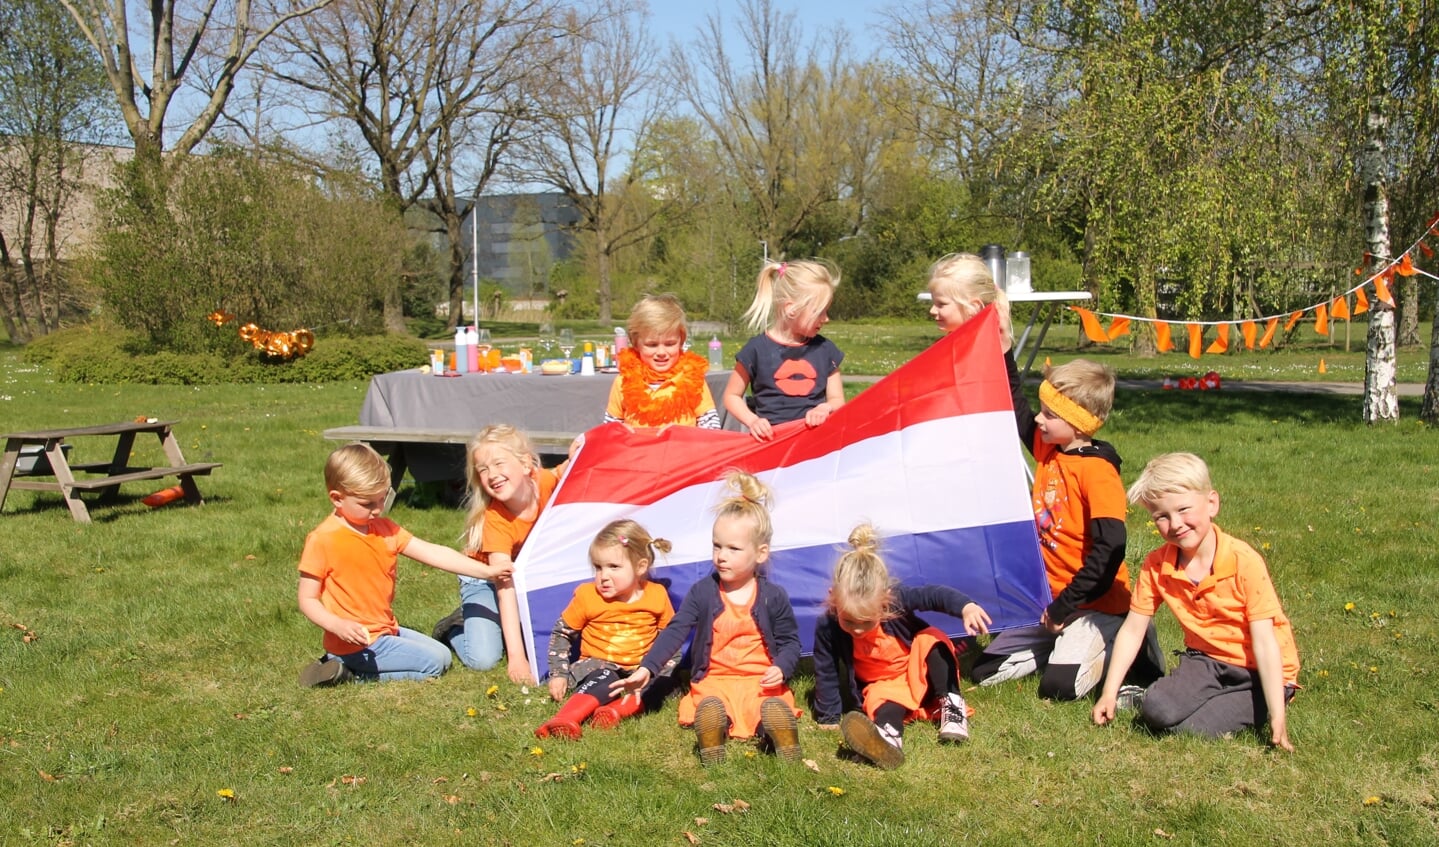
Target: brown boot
column 779, row 724
column 711, row 729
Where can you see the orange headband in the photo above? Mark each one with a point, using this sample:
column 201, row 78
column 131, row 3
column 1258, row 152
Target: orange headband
column 1084, row 421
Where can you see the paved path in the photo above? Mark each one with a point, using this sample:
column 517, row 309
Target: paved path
column 1406, row 389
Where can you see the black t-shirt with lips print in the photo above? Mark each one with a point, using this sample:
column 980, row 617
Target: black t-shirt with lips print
column 787, row 380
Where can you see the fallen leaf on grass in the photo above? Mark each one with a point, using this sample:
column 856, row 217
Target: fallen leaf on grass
column 49, row 777
column 239, row 716
column 452, row 799
column 249, row 557
column 439, row 780
column 553, row 777
column 741, row 805
column 352, row 780
column 812, row 765
column 691, row 837
column 1161, row 833
column 728, row 808
column 701, row 821
column 287, row 770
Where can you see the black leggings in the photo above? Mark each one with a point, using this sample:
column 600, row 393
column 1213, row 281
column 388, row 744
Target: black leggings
column 942, row 674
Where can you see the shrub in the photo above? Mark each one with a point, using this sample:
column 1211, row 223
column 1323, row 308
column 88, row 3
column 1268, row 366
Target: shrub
column 95, row 355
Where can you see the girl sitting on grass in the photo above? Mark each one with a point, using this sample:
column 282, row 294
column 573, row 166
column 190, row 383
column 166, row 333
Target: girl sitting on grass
column 746, row 642
column 871, row 642
column 614, row 620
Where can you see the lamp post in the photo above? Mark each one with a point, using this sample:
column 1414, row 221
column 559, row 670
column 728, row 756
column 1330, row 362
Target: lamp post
column 474, row 256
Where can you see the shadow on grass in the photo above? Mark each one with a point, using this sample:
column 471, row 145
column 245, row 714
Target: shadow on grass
column 103, row 512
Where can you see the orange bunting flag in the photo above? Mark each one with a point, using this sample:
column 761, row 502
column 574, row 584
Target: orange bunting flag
column 1321, row 319
column 1405, row 266
column 1196, row 340
column 1118, row 327
column 1269, row 328
column 1162, row 341
column 1339, row 309
column 1324, row 369
column 1092, row 330
column 1361, row 302
column 1382, row 291
column 1221, row 341
column 1293, row 319
column 1249, row 329
column 1428, row 251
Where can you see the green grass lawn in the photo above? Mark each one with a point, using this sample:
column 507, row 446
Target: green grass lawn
column 154, row 701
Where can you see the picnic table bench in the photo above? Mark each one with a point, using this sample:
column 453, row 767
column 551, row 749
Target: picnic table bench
column 51, row 460
column 392, row 442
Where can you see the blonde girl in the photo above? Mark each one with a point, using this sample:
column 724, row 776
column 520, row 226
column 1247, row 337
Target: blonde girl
column 660, row 382
column 613, row 620
column 746, row 643
column 960, row 285
column 791, row 371
column 507, row 490
column 902, row 667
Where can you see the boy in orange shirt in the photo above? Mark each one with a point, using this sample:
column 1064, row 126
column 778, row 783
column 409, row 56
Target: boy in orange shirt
column 347, row 579
column 1241, row 666
column 1079, row 511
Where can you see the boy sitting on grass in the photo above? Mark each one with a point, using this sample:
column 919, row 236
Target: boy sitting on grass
column 1240, row 666
column 1079, row 513
column 347, row 579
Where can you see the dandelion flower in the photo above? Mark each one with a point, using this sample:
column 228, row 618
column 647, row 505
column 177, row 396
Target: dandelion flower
column 471, row 712
column 836, row 791
column 1348, row 607
column 492, row 691
column 226, row 794
column 1372, row 801
column 537, row 751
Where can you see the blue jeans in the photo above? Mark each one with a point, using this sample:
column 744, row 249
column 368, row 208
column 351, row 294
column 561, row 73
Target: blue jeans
column 408, row 655
column 479, row 644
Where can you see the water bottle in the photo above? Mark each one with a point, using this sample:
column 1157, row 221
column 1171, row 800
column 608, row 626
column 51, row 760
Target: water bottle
column 716, row 353
column 462, row 351
column 472, row 348
column 622, row 339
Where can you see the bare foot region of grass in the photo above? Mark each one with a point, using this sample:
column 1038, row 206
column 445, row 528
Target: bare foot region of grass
column 148, row 665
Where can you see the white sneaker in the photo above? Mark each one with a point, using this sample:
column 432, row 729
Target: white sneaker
column 1130, row 697
column 953, row 718
column 1016, row 666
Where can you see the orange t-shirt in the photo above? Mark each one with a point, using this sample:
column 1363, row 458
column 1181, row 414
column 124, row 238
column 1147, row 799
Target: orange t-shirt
column 1069, row 492
column 614, row 631
column 502, row 532
column 356, row 573
column 1215, row 614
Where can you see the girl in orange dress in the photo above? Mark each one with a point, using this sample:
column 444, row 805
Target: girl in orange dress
column 870, row 640
column 746, row 643
column 614, row 620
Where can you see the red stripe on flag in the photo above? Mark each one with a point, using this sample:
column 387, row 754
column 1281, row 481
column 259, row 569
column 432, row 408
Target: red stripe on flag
column 962, row 373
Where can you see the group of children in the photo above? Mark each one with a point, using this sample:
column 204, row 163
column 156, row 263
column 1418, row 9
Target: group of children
column 615, row 648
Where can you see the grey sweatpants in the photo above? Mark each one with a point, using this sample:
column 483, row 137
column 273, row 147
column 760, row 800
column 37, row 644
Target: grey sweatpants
column 1206, row 697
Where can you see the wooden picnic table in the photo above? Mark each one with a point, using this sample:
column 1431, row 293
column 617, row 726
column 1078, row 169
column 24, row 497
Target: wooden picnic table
column 110, row 475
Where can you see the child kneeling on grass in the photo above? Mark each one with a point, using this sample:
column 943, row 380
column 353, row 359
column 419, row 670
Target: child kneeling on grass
column 870, row 639
column 614, row 619
column 1240, row 666
column 347, row 579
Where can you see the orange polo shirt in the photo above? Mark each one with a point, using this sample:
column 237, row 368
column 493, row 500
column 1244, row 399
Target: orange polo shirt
column 1215, row 614
column 614, row 631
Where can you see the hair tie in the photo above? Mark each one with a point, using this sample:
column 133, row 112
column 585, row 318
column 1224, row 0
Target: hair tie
column 782, row 266
column 624, row 541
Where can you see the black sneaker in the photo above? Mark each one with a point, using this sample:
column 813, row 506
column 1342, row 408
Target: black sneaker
column 881, row 745
column 449, row 623
column 324, row 672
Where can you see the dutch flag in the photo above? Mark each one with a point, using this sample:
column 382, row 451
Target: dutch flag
column 930, row 455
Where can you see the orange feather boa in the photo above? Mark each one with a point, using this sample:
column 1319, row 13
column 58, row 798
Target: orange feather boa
column 676, row 398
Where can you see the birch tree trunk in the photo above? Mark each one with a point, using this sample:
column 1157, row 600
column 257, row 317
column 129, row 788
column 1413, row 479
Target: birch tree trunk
column 1381, row 396
column 1429, row 411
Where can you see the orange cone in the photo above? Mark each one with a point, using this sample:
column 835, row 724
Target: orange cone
column 1322, row 367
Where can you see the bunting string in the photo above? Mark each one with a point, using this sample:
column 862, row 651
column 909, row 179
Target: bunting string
column 1336, row 308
